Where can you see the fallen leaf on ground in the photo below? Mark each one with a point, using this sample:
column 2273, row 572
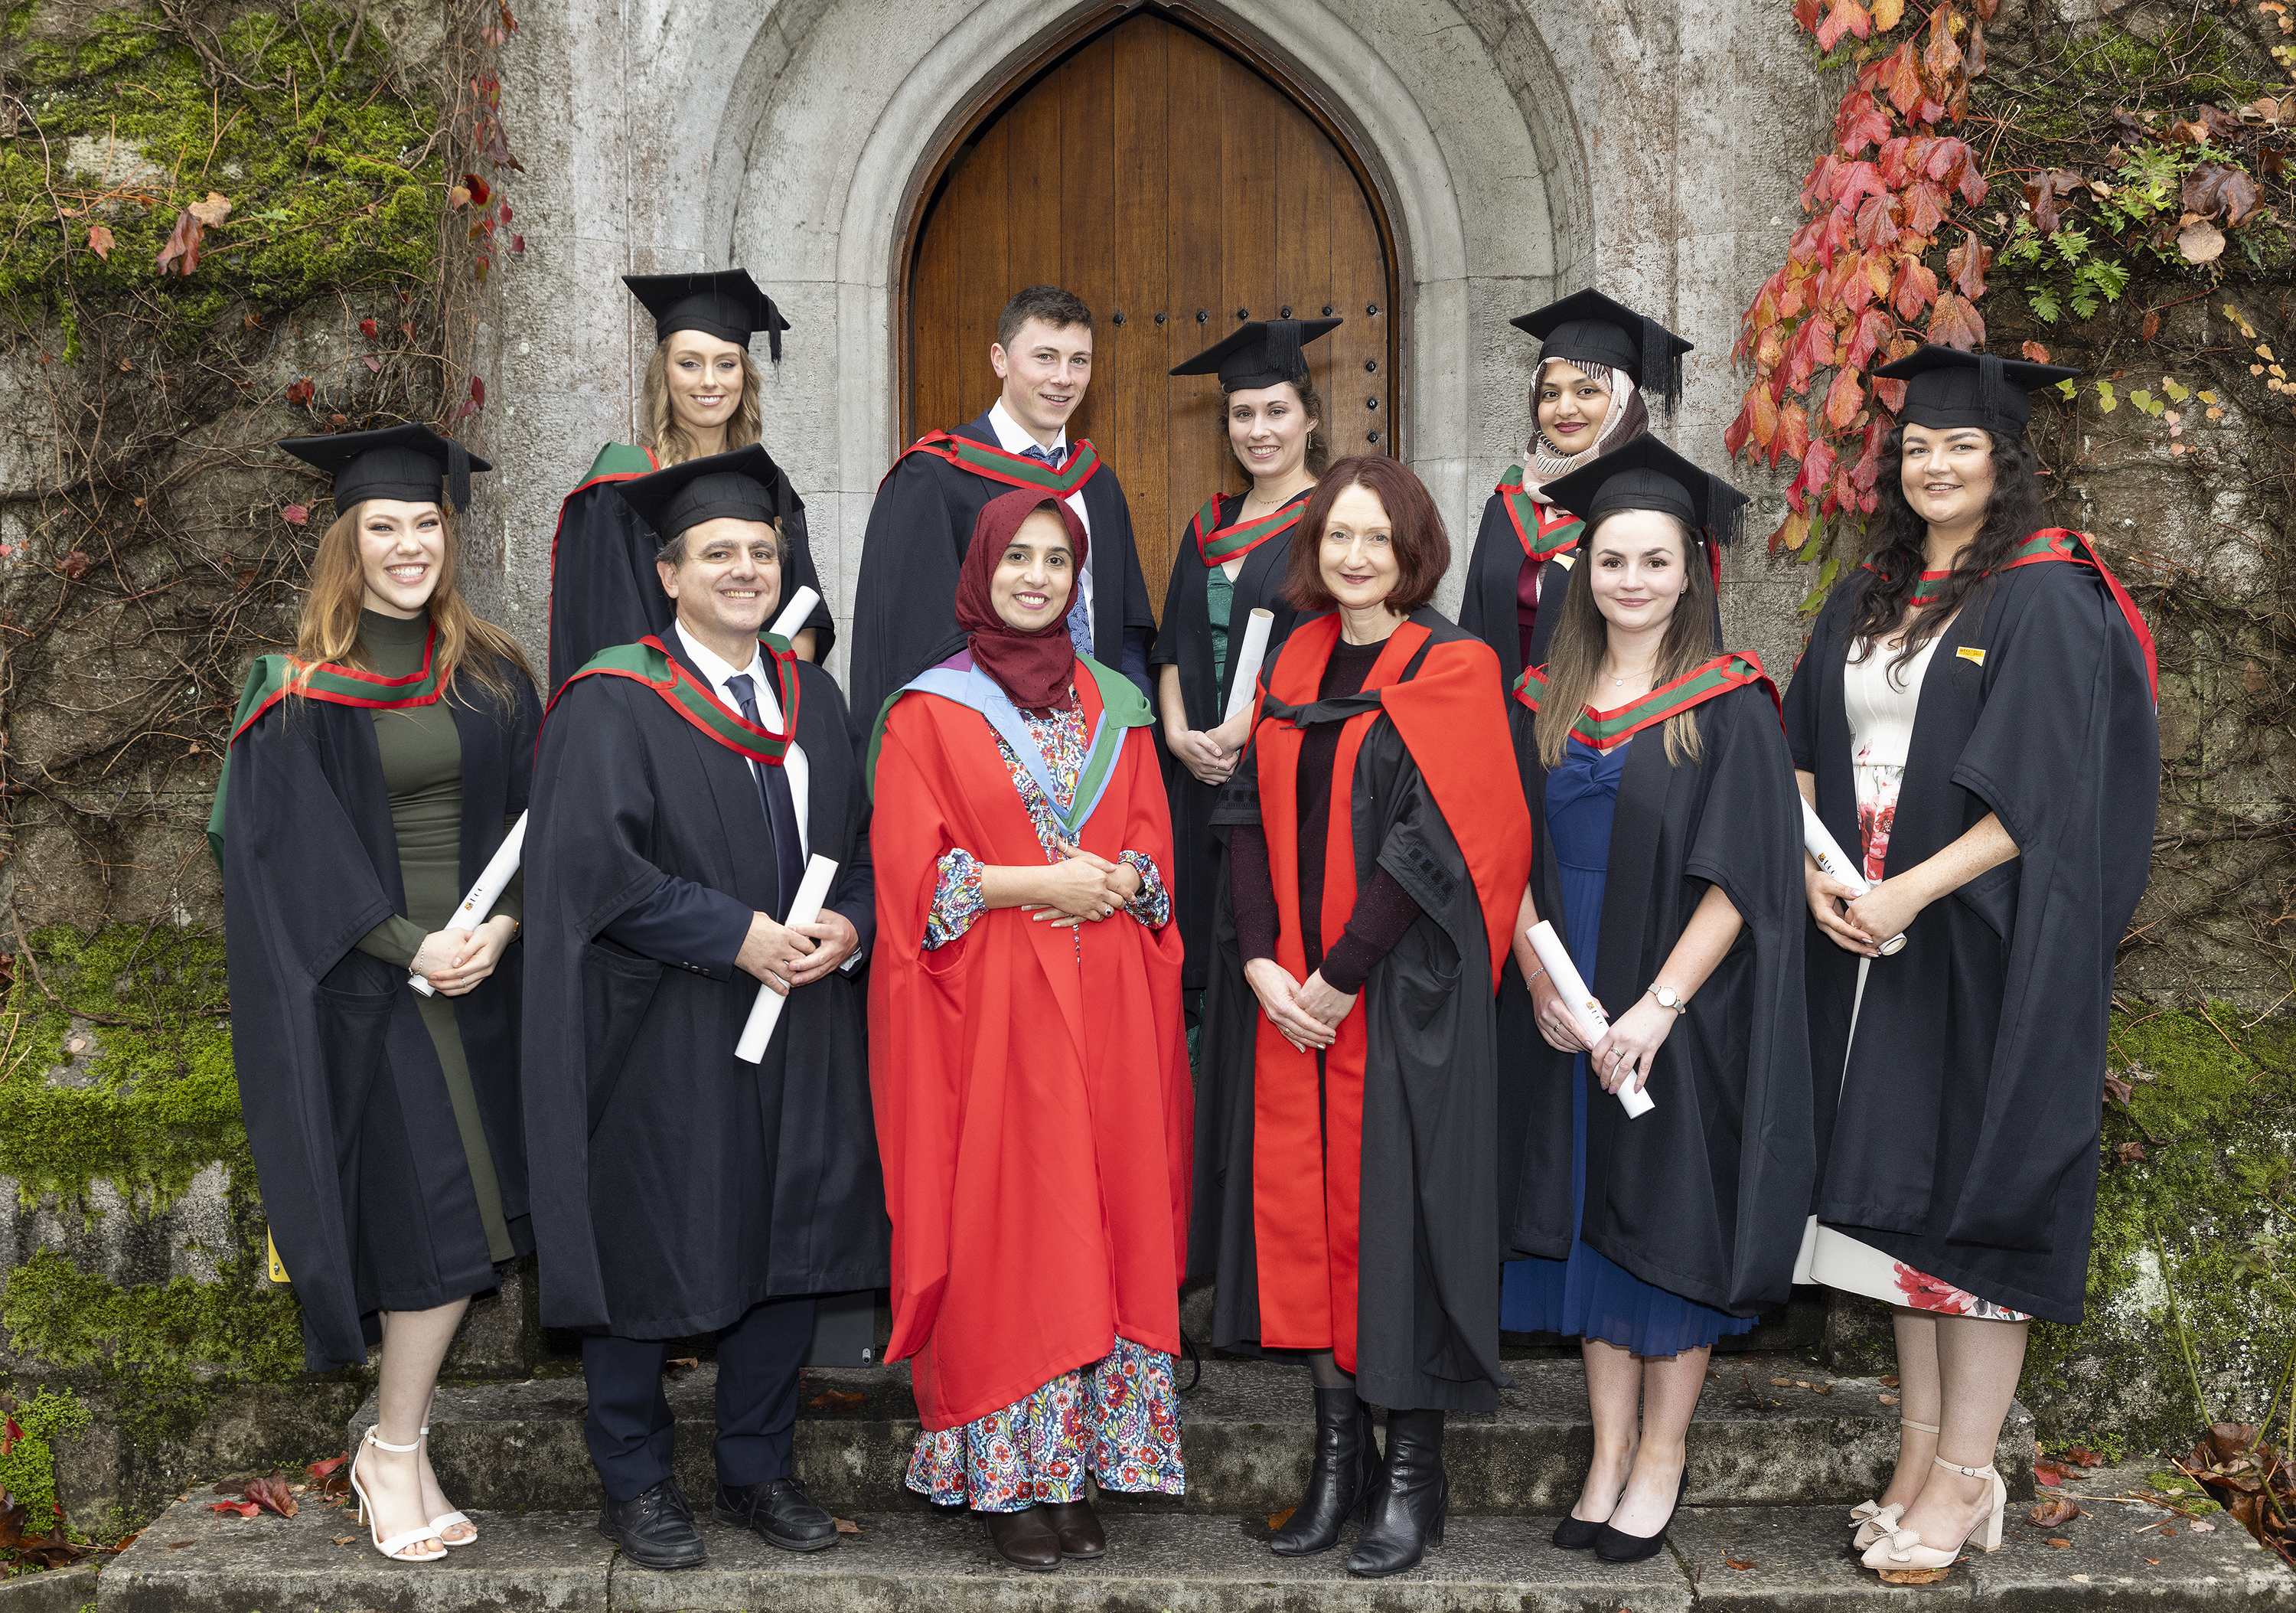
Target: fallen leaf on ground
column 244, row 1508
column 2167, row 1531
column 681, row 1363
column 2203, row 1527
column 1277, row 1521
column 2201, row 242
column 1783, row 1383
column 845, row 1526
column 1889, row 1400
column 1889, row 1382
column 345, row 1540
column 2048, row 1473
column 272, row 1492
column 1738, row 1563
column 2081, row 1456
column 2061, row 1542
column 1821, row 1389
column 2050, row 1513
column 1914, row 1577
column 98, row 241
column 177, row 1545
column 839, row 1400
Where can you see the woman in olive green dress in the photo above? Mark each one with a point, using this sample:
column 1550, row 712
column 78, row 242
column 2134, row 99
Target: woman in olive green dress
column 372, row 776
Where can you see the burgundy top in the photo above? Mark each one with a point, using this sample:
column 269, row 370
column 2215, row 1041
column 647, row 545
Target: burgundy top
column 1526, row 603
column 1384, row 910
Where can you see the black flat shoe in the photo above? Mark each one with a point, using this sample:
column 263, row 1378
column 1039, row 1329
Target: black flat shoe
column 779, row 1512
column 1339, row 1483
column 1612, row 1546
column 1408, row 1501
column 655, row 1529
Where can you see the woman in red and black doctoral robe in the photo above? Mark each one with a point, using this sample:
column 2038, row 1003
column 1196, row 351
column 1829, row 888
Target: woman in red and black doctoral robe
column 1380, row 846
column 1027, row 1059
column 1973, row 719
column 1230, row 564
column 1669, row 857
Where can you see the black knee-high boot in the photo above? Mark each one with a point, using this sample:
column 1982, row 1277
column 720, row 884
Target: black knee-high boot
column 1408, row 1502
column 1347, row 1458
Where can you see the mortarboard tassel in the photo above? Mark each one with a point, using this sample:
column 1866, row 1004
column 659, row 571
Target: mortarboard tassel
column 1281, row 347
column 1661, row 371
column 458, row 475
column 1725, row 510
column 1992, row 388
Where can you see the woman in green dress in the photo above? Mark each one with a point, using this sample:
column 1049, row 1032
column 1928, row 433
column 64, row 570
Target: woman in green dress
column 372, row 776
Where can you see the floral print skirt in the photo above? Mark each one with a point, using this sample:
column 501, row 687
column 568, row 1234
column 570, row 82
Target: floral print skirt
column 1840, row 1261
column 1118, row 1418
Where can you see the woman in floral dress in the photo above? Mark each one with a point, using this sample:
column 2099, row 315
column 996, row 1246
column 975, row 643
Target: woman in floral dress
column 1027, row 1059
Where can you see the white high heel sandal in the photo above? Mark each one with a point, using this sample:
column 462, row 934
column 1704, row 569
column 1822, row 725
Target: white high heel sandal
column 1903, row 1548
column 1871, row 1518
column 448, row 1520
column 399, row 1547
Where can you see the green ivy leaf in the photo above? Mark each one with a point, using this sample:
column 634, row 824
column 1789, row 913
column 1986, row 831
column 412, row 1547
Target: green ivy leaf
column 2105, row 401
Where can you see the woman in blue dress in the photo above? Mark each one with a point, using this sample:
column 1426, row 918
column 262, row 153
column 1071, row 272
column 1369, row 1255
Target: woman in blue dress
column 1668, row 852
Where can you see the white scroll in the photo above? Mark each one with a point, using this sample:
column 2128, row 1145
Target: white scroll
column 493, row 880
column 1826, row 851
column 1586, row 1009
column 1248, row 662
column 766, row 1012
column 791, row 621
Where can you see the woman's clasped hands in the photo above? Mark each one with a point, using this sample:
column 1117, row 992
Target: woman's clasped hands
column 1306, row 1013
column 1082, row 885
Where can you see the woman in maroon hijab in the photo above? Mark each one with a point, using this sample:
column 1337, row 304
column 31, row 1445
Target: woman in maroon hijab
column 1026, row 1057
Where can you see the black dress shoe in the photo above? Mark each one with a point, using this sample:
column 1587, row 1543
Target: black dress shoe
column 1575, row 1534
column 1346, row 1461
column 655, row 1530
column 1025, row 1539
column 1611, row 1546
column 1409, row 1500
column 779, row 1512
column 1077, row 1527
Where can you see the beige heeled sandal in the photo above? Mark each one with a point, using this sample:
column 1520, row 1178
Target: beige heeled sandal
column 1871, row 1518
column 1903, row 1548
column 400, row 1547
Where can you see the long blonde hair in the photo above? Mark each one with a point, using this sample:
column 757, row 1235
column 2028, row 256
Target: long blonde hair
column 670, row 442
column 330, row 628
column 1574, row 653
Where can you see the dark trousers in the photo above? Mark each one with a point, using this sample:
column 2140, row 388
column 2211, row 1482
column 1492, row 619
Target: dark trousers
column 628, row 1426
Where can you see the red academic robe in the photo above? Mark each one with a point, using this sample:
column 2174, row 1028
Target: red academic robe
column 1034, row 1111
column 1305, row 1217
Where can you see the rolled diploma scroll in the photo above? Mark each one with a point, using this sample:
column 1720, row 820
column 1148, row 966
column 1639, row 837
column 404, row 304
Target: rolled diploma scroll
column 1826, row 851
column 1247, row 662
column 492, row 880
column 766, row 1012
column 791, row 622
column 1584, row 1007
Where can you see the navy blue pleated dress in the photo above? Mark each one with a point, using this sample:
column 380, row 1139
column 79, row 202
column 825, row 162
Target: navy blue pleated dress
column 1587, row 1295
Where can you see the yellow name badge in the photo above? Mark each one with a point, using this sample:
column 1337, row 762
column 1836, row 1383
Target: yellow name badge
column 1971, row 653
column 277, row 1272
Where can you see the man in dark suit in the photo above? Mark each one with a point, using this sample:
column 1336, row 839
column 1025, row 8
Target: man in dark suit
column 683, row 783
column 904, row 608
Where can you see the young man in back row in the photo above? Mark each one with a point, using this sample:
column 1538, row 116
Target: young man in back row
column 905, row 607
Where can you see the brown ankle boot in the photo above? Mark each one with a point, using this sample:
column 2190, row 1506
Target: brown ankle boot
column 1025, row 1539
column 1077, row 1527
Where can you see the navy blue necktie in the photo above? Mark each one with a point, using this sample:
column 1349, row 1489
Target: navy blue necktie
column 780, row 806
column 1080, row 614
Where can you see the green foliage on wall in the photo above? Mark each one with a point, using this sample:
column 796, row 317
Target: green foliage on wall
column 28, row 1469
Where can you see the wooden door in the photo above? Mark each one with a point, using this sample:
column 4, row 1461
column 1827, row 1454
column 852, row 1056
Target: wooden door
column 1178, row 192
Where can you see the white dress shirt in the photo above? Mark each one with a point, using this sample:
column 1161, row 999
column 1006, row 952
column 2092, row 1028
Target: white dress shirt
column 1013, row 438
column 794, row 766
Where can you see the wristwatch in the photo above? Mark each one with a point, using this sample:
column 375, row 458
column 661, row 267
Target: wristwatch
column 1669, row 999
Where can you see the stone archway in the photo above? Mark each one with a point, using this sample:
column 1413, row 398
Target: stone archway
column 789, row 139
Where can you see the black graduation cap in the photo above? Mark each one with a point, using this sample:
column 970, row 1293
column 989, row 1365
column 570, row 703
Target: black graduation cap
column 725, row 304
column 1946, row 388
column 1588, row 328
column 1646, row 474
column 740, row 485
column 1265, row 352
column 398, row 462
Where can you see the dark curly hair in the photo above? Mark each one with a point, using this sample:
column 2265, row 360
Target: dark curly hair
column 2014, row 513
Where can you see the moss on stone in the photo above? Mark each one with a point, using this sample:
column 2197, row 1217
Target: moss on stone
column 28, row 1469
column 2191, row 1301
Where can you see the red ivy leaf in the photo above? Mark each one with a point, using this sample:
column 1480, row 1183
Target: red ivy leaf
column 373, row 363
column 1762, row 414
column 1793, row 441
column 506, row 212
column 182, row 247
column 1816, row 468
column 1915, row 288
column 1825, row 179
column 273, row 1493
column 295, row 515
column 1805, row 14
column 2036, row 352
column 1860, row 123
column 1945, row 154
column 245, row 1508
column 1967, row 264
column 2042, row 193
column 1925, row 207
column 370, row 329
column 478, row 189
column 1866, row 338
column 1957, row 324
column 302, row 392
column 1890, row 394
column 478, row 392
column 1903, row 79
column 98, row 241
column 1858, row 179
column 1846, row 17
column 1941, row 55
column 518, row 243
column 1844, row 399
column 75, row 566
column 1811, row 350
column 1867, row 471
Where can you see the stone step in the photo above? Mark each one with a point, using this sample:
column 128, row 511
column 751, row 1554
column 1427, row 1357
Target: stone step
column 518, row 1446
column 1750, row 1559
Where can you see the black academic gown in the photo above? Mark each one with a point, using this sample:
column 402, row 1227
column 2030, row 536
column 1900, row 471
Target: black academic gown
column 1185, row 640
column 675, row 1186
column 1961, row 1137
column 1427, row 1299
column 1486, row 609
column 905, row 604
column 1699, row 1196
column 365, row 1183
column 604, row 589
